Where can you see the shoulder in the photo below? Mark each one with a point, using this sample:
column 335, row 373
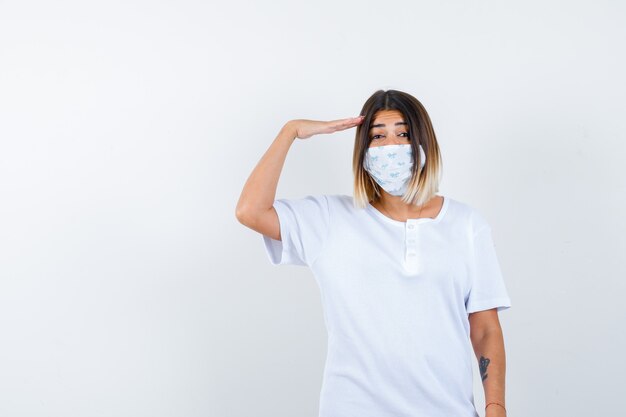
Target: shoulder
column 344, row 205
column 320, row 203
column 332, row 199
column 468, row 215
column 339, row 198
column 340, row 205
column 325, row 199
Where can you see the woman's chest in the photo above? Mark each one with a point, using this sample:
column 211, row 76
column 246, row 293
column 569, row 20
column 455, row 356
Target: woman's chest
column 367, row 260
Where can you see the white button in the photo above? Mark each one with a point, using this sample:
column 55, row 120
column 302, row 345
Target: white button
column 411, row 226
column 411, row 254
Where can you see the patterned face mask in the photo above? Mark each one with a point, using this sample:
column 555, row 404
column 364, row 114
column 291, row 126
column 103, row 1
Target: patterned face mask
column 390, row 166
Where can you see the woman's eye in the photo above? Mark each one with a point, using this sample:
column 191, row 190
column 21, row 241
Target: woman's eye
column 403, row 133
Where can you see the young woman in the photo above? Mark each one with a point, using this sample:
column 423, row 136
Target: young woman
column 410, row 281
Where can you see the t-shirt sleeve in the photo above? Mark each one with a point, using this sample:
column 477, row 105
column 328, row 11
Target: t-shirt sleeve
column 487, row 284
column 304, row 227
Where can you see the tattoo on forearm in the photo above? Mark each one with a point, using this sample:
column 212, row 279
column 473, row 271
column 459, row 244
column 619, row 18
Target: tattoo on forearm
column 483, row 363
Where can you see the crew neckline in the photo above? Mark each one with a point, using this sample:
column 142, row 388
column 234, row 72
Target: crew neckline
column 436, row 219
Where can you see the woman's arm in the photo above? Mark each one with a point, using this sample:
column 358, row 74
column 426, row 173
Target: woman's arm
column 488, row 343
column 255, row 206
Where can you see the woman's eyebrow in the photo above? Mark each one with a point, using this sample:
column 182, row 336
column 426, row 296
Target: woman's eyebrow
column 383, row 125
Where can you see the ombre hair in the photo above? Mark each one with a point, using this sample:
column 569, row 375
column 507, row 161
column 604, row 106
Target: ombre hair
column 424, row 182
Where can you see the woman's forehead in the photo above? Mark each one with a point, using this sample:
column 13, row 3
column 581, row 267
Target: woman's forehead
column 387, row 113
column 388, row 123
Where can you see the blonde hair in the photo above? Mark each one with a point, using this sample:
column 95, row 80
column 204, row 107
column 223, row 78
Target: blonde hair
column 424, row 182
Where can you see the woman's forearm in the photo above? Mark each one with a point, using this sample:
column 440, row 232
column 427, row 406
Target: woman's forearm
column 489, row 350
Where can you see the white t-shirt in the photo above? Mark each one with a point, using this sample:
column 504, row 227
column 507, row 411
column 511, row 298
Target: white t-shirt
column 396, row 298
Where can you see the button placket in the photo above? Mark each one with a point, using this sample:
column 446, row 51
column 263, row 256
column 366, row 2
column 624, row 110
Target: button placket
column 410, row 243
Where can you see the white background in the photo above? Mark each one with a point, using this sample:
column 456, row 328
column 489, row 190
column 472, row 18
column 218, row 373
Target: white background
column 127, row 131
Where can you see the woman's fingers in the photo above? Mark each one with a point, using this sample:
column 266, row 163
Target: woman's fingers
column 347, row 123
column 306, row 128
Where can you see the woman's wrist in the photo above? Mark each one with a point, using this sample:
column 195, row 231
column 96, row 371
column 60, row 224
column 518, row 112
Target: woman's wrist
column 494, row 408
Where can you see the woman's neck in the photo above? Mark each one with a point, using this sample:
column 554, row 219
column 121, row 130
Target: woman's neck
column 394, row 207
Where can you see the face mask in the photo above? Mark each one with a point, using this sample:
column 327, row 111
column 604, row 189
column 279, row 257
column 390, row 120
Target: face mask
column 390, row 166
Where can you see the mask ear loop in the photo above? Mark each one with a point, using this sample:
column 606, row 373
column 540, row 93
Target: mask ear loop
column 422, row 156
column 366, row 166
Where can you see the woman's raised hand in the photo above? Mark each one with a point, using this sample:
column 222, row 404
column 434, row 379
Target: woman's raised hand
column 304, row 128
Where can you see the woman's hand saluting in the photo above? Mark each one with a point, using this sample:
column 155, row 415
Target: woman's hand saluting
column 304, row 128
